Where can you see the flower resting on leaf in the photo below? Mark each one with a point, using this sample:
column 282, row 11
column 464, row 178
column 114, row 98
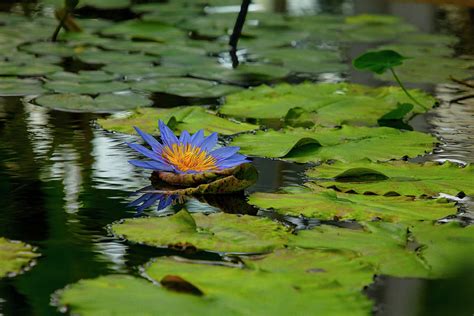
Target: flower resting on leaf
column 186, row 154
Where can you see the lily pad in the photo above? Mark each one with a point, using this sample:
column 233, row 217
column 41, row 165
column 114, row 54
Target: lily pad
column 20, row 87
column 328, row 204
column 145, row 30
column 49, row 48
column 110, row 57
column 217, row 232
column 104, row 103
column 381, row 245
column 346, row 144
column 190, row 118
column 138, row 71
column 328, row 104
column 27, row 69
column 185, row 87
column 106, row 4
column 404, row 178
column 14, row 256
column 83, row 76
column 379, row 61
column 85, row 87
column 247, row 74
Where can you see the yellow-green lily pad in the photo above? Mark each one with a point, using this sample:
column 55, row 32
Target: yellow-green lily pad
column 14, row 256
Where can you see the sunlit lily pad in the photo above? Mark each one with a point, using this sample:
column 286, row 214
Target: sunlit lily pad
column 85, row 87
column 14, row 256
column 185, row 87
column 104, row 103
column 145, row 30
column 402, row 177
column 346, row 144
column 381, row 245
column 190, row 118
column 329, row 104
column 20, row 87
column 217, row 232
column 328, row 204
column 247, row 74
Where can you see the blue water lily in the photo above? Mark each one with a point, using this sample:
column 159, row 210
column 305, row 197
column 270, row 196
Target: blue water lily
column 186, row 154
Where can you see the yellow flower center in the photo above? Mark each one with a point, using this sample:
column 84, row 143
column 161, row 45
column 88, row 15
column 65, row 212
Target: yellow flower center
column 188, row 157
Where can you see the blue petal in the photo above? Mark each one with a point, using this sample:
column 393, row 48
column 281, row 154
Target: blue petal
column 165, row 201
column 167, row 135
column 138, row 201
column 209, row 142
column 149, row 202
column 185, row 138
column 197, row 138
column 148, row 153
column 153, row 165
column 232, row 161
column 149, row 139
column 224, row 152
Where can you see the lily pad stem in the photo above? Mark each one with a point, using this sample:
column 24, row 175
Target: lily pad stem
column 60, row 25
column 403, row 87
column 234, row 38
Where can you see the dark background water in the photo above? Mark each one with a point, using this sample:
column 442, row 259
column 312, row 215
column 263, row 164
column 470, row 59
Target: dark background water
column 63, row 180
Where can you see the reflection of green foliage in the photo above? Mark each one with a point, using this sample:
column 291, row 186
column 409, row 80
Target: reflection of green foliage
column 401, row 177
column 345, row 144
column 328, row 204
column 190, row 118
column 218, row 232
column 14, row 256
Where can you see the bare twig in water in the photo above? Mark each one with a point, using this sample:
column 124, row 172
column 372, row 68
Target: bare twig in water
column 461, row 82
column 237, row 32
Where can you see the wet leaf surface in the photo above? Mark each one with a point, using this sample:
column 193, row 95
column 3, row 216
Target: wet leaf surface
column 14, row 256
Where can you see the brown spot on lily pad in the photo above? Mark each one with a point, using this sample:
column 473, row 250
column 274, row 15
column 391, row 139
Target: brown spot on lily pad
column 178, row 284
column 183, row 247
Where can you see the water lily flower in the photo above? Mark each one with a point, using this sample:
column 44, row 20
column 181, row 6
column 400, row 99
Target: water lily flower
column 186, row 154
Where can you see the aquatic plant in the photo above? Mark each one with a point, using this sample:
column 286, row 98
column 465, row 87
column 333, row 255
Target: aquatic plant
column 188, row 154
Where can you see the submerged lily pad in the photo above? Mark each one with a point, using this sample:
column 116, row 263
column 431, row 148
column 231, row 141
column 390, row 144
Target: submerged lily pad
column 329, row 104
column 402, row 177
column 328, row 204
column 190, row 118
column 345, row 144
column 20, row 87
column 14, row 256
column 104, row 103
column 185, row 87
column 217, row 232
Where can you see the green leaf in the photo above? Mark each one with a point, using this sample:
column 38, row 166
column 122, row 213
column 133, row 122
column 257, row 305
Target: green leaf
column 139, row 71
column 380, row 245
column 185, row 87
column 327, row 204
column 379, row 61
column 85, row 87
column 104, row 103
column 399, row 113
column 27, row 69
column 48, row 48
column 346, row 144
column 326, row 104
column 190, row 118
column 83, row 76
column 14, row 256
column 404, row 178
column 145, row 30
column 216, row 232
column 20, row 87
column 113, row 57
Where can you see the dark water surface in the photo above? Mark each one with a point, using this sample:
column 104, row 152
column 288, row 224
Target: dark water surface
column 63, row 180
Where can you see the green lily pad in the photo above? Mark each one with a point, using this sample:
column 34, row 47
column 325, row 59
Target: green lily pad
column 419, row 50
column 247, row 74
column 83, row 76
column 20, row 87
column 402, row 177
column 27, row 69
column 190, row 118
column 446, row 248
column 104, row 103
column 85, row 87
column 145, row 30
column 49, row 48
column 112, row 57
column 327, row 104
column 379, row 61
column 217, row 232
column 138, row 71
column 328, row 204
column 14, row 256
column 346, row 144
column 106, row 4
column 432, row 69
column 185, row 87
column 381, row 245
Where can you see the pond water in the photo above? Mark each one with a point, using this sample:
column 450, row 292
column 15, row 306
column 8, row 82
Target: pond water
column 63, row 179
